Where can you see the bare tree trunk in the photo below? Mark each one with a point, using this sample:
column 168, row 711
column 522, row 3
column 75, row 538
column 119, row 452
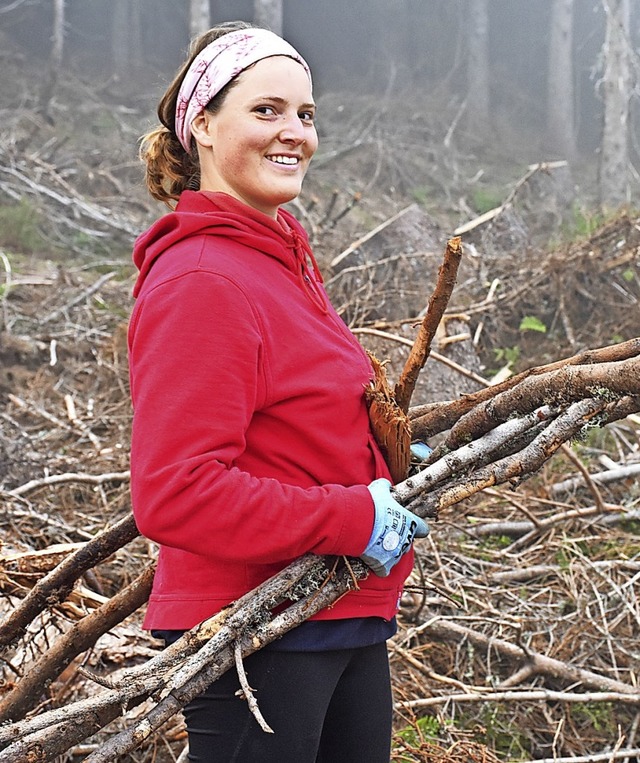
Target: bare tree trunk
column 478, row 67
column 58, row 33
column 560, row 92
column 120, row 36
column 199, row 17
column 268, row 13
column 616, row 87
column 55, row 59
column 126, row 38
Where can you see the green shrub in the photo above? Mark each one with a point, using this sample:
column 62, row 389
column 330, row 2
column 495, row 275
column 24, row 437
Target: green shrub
column 19, row 228
column 486, row 199
column 413, row 737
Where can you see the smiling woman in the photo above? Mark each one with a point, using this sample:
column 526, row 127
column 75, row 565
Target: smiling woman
column 258, row 148
column 251, row 441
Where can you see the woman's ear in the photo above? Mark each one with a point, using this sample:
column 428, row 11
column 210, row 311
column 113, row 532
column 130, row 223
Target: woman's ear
column 202, row 129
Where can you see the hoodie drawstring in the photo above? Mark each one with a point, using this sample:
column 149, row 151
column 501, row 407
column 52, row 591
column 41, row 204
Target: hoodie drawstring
column 308, row 271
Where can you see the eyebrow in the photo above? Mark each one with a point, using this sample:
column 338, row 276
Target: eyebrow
column 283, row 101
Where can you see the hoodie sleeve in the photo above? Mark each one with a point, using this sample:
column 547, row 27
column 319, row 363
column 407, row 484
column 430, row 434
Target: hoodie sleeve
column 197, row 376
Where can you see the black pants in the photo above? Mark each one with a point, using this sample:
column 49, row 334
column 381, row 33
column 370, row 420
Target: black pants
column 324, row 707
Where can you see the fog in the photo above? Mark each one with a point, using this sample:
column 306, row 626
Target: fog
column 411, row 48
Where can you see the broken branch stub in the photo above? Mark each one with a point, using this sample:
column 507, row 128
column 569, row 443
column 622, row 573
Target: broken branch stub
column 435, row 310
column 388, row 406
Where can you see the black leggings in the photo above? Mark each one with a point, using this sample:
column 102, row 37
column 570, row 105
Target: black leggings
column 324, row 707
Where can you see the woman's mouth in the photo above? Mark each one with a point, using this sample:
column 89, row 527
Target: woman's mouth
column 290, row 161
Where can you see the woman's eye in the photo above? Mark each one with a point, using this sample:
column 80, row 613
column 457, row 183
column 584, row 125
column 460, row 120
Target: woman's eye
column 268, row 111
column 306, row 116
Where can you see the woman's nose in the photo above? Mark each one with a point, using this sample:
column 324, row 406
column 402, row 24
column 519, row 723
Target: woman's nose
column 293, row 130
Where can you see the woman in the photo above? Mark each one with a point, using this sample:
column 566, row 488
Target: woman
column 251, row 443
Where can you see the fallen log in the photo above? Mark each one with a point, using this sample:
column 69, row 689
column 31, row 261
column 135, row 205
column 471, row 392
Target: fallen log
column 536, row 663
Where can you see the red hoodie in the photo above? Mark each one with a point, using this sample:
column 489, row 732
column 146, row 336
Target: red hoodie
column 251, row 442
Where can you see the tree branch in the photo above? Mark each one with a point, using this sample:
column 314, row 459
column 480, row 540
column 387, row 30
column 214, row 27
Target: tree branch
column 55, row 586
column 435, row 310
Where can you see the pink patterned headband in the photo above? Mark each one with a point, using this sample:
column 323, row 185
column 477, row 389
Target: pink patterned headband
column 218, row 64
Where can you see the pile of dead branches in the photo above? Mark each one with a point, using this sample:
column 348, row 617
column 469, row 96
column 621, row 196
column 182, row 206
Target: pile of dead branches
column 584, row 288
column 518, row 628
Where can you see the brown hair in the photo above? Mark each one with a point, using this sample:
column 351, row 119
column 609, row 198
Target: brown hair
column 169, row 168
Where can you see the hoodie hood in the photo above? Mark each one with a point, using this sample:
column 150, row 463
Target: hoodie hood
column 218, row 214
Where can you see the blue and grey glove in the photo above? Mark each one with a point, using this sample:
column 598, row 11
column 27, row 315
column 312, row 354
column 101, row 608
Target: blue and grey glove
column 394, row 529
column 420, row 450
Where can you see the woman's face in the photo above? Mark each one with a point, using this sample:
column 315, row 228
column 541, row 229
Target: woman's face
column 258, row 146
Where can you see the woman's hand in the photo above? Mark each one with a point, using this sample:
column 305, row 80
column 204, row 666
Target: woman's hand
column 394, row 529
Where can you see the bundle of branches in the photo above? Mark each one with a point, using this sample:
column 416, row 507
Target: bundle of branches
column 497, row 436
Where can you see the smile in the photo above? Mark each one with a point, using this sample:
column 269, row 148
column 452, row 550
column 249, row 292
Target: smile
column 279, row 159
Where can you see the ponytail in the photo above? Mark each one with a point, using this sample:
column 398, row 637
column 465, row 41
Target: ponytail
column 169, row 169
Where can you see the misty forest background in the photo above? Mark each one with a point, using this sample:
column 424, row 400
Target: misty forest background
column 525, row 80
column 512, row 123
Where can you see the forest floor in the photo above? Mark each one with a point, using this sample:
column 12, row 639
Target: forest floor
column 548, row 566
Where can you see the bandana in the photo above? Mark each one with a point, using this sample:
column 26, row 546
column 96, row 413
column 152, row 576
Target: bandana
column 218, row 64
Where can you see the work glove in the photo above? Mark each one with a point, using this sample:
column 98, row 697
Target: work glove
column 420, row 450
column 394, row 529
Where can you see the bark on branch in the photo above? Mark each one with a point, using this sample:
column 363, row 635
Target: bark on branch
column 16, row 703
column 539, row 664
column 428, row 420
column 435, row 310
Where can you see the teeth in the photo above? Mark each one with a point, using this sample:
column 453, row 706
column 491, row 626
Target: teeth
column 284, row 159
